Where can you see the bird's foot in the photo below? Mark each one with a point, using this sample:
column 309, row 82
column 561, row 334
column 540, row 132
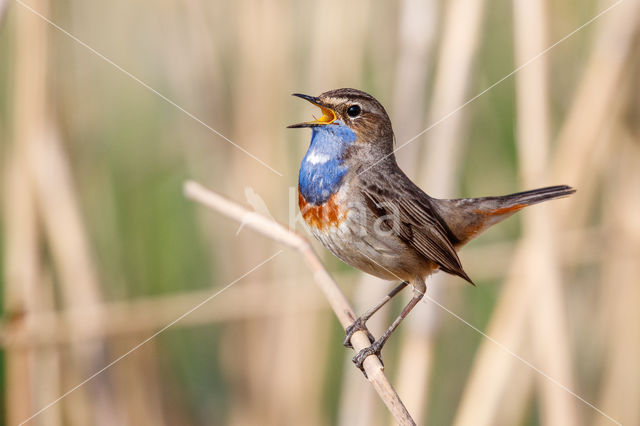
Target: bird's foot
column 357, row 325
column 374, row 349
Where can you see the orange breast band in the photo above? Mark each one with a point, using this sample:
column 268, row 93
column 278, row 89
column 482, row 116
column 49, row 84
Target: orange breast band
column 324, row 216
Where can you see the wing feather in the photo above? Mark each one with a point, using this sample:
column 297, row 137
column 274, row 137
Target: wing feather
column 417, row 223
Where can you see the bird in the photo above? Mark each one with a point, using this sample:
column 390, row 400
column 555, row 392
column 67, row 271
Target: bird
column 361, row 206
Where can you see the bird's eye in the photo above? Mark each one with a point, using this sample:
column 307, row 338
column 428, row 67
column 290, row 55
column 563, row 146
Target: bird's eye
column 353, row 111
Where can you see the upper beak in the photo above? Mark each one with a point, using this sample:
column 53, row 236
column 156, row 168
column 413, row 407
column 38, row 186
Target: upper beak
column 328, row 115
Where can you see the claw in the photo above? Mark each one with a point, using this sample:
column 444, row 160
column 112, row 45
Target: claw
column 359, row 358
column 356, row 326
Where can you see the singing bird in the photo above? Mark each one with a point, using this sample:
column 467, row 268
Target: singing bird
column 366, row 211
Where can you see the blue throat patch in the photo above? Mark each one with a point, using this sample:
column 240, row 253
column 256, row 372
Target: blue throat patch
column 322, row 167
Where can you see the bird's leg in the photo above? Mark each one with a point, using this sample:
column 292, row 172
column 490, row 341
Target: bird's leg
column 376, row 346
column 359, row 324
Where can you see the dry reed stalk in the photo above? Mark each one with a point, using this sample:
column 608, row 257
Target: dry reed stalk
column 294, row 383
column 258, row 105
column 49, row 176
column 197, row 38
column 515, row 404
column 331, row 67
column 358, row 402
column 620, row 389
column 351, row 24
column 416, row 34
column 578, row 147
column 203, row 59
column 416, row 361
column 460, row 38
column 490, row 374
column 590, row 106
column 336, row 299
column 57, row 202
column 136, row 384
column 417, row 29
column 493, row 364
column 50, row 173
column 194, row 64
column 132, row 317
column 438, row 172
column 547, row 315
column 113, row 392
column 22, row 265
column 491, row 260
column 23, row 269
column 257, row 91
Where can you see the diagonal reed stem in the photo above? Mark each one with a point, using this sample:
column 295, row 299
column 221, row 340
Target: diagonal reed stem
column 341, row 307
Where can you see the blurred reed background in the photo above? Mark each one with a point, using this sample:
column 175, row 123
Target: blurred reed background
column 100, row 249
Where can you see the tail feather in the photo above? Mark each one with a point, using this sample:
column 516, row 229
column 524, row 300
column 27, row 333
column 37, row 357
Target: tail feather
column 535, row 196
column 468, row 217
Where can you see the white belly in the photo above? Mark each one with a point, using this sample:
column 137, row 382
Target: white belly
column 347, row 228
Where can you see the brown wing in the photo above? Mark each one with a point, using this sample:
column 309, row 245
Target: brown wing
column 417, row 223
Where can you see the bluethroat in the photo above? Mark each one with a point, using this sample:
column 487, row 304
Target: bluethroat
column 366, row 211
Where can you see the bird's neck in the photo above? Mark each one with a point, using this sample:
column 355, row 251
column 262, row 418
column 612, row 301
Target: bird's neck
column 323, row 167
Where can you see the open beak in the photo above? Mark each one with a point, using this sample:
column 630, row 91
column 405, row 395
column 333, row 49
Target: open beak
column 328, row 115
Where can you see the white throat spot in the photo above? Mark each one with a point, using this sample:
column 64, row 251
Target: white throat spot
column 317, row 158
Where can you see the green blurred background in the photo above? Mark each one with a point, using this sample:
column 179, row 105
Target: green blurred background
column 109, row 107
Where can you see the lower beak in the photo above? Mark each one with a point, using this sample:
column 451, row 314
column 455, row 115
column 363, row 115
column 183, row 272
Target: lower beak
column 328, row 115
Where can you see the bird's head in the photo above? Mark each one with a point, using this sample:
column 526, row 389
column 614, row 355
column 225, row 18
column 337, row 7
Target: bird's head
column 358, row 111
